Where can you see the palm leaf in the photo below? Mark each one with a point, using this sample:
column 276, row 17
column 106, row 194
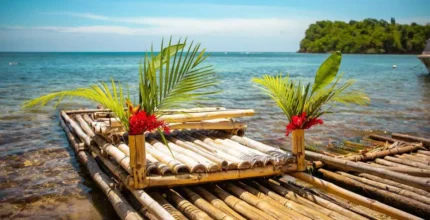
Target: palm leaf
column 327, row 71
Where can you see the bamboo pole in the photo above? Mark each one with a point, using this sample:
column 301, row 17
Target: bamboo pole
column 395, row 199
column 288, row 194
column 288, row 212
column 201, row 116
column 240, row 206
column 151, row 167
column 218, row 203
column 219, row 124
column 341, row 212
column 407, row 162
column 298, row 148
column 198, row 178
column 383, row 138
column 425, row 152
column 390, row 163
column 345, row 165
column 167, row 206
column 242, row 156
column 427, row 157
column 120, row 204
column 366, row 202
column 406, row 170
column 424, row 141
column 192, row 110
column 204, row 205
column 186, row 207
column 188, row 155
column 388, row 188
column 222, row 163
column 379, row 154
column 76, row 128
column 194, row 165
column 282, row 157
column 137, row 159
column 415, row 158
column 392, row 183
column 303, row 210
column 241, row 164
column 84, row 125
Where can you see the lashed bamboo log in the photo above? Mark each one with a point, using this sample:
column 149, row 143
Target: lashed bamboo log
column 186, row 207
column 194, row 165
column 366, row 202
column 84, row 125
column 384, row 173
column 266, row 159
column 288, row 212
column 222, row 163
column 241, row 164
column 175, row 165
column 153, row 206
column 380, row 154
column 218, row 203
column 76, row 128
column 414, row 158
column 383, row 138
column 424, row 141
column 280, row 155
column 303, row 210
column 197, row 178
column 201, row 116
column 202, row 204
column 167, row 206
column 240, row 206
column 395, row 199
column 392, row 183
column 390, row 163
column 406, row 170
column 343, row 211
column 424, row 152
column 288, row 194
column 120, row 204
column 246, row 157
column 407, row 162
column 218, row 124
column 427, row 157
column 209, row 166
column 389, row 188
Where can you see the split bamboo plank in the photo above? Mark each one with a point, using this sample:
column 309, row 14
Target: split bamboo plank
column 202, row 204
column 388, row 188
column 167, row 206
column 120, row 204
column 186, row 207
column 201, row 116
column 424, row 141
column 344, row 213
column 303, row 210
column 218, row 203
column 395, row 199
column 346, row 165
column 366, row 202
column 392, row 183
column 240, row 206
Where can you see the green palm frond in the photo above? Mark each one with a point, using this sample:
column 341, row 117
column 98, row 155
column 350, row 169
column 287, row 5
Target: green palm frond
column 295, row 98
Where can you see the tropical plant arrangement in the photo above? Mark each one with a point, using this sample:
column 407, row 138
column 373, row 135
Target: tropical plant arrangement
column 304, row 104
column 166, row 80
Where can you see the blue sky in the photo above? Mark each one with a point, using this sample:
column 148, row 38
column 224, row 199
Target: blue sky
column 95, row 25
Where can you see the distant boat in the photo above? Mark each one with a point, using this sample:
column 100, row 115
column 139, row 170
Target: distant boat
column 425, row 56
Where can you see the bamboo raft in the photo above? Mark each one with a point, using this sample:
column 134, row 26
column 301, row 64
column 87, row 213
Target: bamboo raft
column 218, row 173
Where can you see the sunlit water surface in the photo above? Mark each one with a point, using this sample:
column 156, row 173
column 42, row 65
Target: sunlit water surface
column 40, row 177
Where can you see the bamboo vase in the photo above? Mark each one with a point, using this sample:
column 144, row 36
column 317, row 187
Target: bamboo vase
column 298, row 148
column 136, row 144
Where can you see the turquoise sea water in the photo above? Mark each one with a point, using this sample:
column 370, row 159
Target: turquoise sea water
column 40, row 177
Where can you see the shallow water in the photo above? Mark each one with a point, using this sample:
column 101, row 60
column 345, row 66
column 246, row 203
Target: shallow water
column 39, row 174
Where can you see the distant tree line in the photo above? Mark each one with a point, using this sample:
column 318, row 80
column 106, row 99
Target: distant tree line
column 370, row 36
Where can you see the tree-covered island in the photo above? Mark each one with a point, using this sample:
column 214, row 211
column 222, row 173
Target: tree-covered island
column 370, row 36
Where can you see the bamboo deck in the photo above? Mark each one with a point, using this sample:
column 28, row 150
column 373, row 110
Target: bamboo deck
column 258, row 183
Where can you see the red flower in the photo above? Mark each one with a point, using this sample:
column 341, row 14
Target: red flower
column 301, row 122
column 142, row 122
